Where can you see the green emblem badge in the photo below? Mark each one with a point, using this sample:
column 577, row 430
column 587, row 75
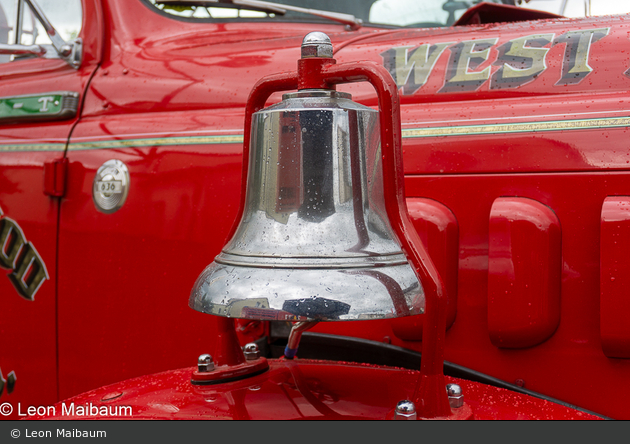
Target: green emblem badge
column 47, row 106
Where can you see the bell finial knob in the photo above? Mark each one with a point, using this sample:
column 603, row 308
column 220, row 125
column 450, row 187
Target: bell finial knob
column 316, row 44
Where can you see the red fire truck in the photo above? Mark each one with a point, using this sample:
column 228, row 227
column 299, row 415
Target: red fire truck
column 123, row 176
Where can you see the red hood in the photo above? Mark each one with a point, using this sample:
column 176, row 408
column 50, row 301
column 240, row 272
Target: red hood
column 210, row 65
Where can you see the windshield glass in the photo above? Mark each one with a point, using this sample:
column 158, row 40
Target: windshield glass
column 423, row 13
column 405, row 13
column 65, row 16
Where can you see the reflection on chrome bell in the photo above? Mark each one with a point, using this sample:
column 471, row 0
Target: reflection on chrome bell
column 314, row 242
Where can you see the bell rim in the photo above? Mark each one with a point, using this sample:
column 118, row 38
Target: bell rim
column 255, row 293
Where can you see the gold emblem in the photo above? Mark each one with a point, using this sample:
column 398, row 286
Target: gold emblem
column 20, row 256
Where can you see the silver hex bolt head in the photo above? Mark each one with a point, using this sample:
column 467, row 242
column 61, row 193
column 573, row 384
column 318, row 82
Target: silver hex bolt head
column 66, row 50
column 205, row 363
column 316, row 44
column 251, row 351
column 455, row 395
column 405, row 410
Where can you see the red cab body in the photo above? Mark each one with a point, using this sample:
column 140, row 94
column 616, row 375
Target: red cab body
column 517, row 177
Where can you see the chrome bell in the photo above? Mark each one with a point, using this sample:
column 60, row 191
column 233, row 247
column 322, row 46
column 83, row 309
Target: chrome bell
column 314, row 242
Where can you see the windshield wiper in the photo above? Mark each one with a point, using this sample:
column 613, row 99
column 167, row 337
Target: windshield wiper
column 71, row 52
column 351, row 21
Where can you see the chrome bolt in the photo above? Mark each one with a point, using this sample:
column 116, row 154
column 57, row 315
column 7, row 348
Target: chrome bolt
column 65, row 50
column 455, row 396
column 251, row 351
column 205, row 363
column 316, row 44
column 405, row 410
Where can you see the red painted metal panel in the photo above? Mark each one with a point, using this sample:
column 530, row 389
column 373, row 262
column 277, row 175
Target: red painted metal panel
column 131, row 271
column 572, row 150
column 191, row 66
column 614, row 278
column 524, row 267
column 28, row 323
column 574, row 352
column 437, row 227
column 298, row 389
column 196, row 77
column 550, row 81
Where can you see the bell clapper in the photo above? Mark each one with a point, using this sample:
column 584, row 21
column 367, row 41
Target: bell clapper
column 294, row 337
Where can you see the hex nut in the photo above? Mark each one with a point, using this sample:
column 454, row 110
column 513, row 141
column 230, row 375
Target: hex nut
column 251, row 351
column 455, row 395
column 405, row 410
column 316, row 44
column 205, row 363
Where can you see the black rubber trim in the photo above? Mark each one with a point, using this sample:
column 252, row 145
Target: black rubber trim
column 224, row 380
column 349, row 349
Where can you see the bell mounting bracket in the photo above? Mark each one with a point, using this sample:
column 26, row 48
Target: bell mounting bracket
column 231, row 364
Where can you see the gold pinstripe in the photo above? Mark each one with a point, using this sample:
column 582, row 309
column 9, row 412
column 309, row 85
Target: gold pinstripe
column 525, row 127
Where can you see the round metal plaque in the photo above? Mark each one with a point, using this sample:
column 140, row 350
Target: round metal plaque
column 111, row 186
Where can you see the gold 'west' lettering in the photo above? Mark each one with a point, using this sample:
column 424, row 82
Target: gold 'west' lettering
column 411, row 67
column 575, row 65
column 466, row 57
column 521, row 61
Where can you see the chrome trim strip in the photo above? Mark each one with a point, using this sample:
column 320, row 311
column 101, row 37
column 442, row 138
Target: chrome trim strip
column 26, row 147
column 160, row 141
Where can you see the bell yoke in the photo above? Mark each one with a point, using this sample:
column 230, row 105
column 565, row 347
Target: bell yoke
column 323, row 232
